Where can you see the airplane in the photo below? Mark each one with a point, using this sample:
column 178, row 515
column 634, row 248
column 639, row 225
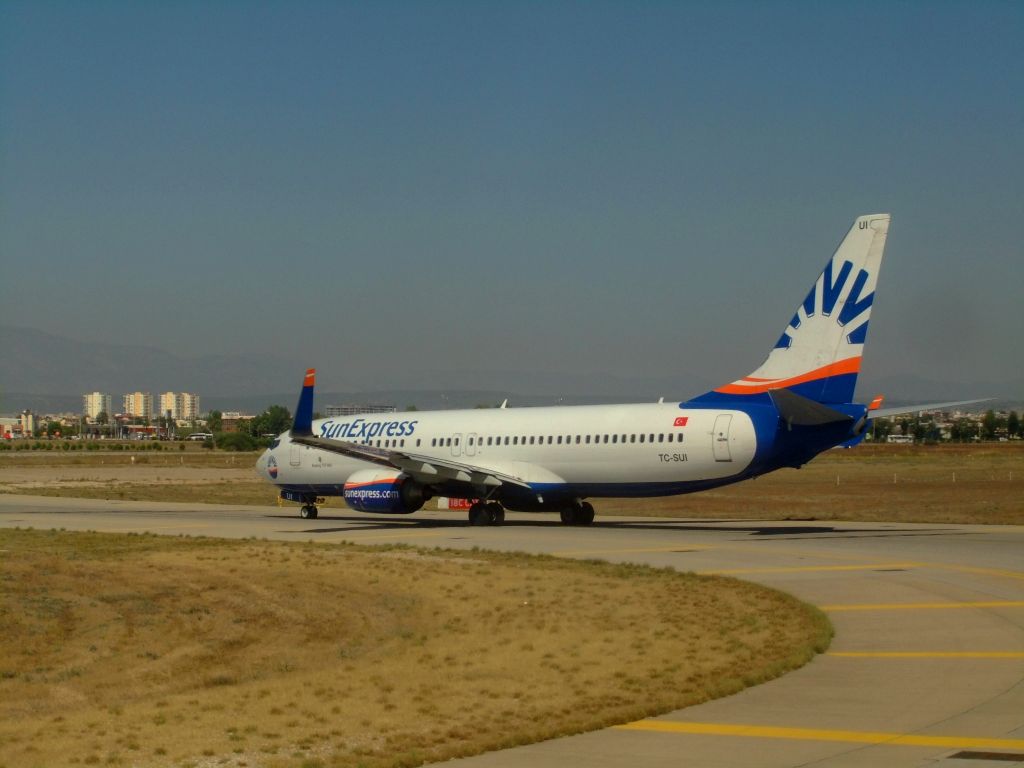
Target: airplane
column 798, row 403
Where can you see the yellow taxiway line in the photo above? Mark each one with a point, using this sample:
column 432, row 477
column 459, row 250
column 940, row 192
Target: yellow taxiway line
column 923, row 606
column 810, row 569
column 674, row 548
column 816, row 734
column 928, row 654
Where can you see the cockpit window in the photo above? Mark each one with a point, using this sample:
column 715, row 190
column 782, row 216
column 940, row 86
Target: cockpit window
column 275, row 442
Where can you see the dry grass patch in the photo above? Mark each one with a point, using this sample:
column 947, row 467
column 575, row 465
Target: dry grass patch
column 974, row 484
column 899, row 483
column 129, row 650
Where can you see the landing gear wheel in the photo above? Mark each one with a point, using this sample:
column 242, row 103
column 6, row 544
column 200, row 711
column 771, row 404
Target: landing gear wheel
column 585, row 514
column 479, row 515
column 308, row 512
column 496, row 513
column 579, row 513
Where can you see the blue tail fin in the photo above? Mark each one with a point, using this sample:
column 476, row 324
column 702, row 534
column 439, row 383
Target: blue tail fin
column 303, row 424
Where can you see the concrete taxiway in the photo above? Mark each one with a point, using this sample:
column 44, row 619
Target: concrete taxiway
column 927, row 666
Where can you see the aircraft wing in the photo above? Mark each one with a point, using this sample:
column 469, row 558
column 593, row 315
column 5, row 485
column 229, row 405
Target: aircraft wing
column 426, row 469
column 881, row 413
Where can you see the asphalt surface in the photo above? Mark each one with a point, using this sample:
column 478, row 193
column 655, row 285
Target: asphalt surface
column 927, row 666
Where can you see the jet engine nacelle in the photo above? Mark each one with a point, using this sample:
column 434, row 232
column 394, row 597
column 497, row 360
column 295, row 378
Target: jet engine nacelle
column 386, row 491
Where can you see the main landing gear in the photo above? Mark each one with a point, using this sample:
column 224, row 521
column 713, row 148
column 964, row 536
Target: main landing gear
column 486, row 513
column 578, row 513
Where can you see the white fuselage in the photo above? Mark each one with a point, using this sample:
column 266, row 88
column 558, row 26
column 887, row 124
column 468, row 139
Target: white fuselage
column 607, row 445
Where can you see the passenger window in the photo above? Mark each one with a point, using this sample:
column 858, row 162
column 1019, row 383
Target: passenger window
column 588, row 440
column 661, row 438
column 506, row 439
column 447, row 441
column 559, row 439
column 456, row 441
column 615, row 438
column 652, row 437
column 632, row 438
column 417, row 442
column 606, row 438
column 577, row 439
column 515, row 441
column 641, row 438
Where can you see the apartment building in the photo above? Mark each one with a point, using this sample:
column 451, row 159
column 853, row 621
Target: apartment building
column 184, row 406
column 139, row 405
column 95, row 403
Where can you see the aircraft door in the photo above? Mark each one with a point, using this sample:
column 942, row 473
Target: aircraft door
column 471, row 444
column 720, row 437
column 294, row 457
column 456, row 444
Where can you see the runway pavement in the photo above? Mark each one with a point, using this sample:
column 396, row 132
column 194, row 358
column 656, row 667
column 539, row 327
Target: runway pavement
column 927, row 666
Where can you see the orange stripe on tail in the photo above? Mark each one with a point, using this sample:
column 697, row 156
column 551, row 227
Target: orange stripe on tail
column 850, row 365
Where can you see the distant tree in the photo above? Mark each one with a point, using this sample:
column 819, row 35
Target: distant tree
column 411, row 408
column 881, row 429
column 1013, row 424
column 235, row 441
column 275, row 420
column 102, row 418
column 481, row 406
column 214, row 421
column 988, row 425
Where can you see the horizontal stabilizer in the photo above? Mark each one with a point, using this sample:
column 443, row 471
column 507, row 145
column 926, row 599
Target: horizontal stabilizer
column 881, row 413
column 801, row 411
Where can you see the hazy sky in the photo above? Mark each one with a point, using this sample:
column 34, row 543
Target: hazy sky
column 607, row 188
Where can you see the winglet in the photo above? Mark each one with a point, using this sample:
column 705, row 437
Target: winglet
column 876, row 403
column 303, row 424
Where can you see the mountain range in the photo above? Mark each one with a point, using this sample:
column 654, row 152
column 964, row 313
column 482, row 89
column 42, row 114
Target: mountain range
column 49, row 373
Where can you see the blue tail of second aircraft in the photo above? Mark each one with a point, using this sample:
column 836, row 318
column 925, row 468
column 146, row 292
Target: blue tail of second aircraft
column 302, row 425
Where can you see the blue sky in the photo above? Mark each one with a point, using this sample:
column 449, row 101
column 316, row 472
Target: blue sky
column 637, row 189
